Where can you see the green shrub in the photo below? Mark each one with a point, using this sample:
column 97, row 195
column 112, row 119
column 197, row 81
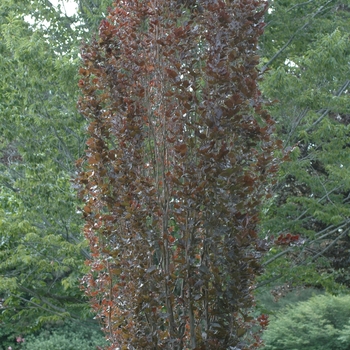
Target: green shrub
column 70, row 336
column 321, row 323
column 7, row 336
column 281, row 298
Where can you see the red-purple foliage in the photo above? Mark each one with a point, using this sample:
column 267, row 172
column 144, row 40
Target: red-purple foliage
column 287, row 239
column 178, row 161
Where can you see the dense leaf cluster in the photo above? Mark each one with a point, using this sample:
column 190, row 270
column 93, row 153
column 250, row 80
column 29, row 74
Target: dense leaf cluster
column 322, row 322
column 71, row 335
column 178, row 161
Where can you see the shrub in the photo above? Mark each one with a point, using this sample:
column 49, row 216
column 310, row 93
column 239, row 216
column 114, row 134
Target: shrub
column 70, row 336
column 7, row 336
column 322, row 322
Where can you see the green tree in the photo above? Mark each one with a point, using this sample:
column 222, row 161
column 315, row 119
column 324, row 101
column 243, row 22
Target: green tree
column 42, row 250
column 306, row 49
column 178, row 162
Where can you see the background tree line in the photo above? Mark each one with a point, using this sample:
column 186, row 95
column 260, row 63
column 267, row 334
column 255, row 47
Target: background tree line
column 304, row 55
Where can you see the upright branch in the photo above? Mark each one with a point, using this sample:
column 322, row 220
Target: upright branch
column 179, row 159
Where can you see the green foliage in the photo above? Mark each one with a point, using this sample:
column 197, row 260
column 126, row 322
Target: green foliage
column 306, row 47
column 92, row 12
column 8, row 334
column 42, row 249
column 70, row 336
column 281, row 296
column 320, row 323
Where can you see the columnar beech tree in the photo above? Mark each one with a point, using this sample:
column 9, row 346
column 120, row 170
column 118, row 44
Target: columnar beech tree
column 178, row 162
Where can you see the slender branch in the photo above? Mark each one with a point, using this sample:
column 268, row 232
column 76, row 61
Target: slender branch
column 275, row 257
column 328, row 233
column 319, row 201
column 306, row 243
column 324, row 230
column 59, row 309
column 297, row 122
column 338, row 93
column 264, row 283
column 37, row 305
column 324, row 188
column 298, row 5
column 328, row 247
column 263, row 69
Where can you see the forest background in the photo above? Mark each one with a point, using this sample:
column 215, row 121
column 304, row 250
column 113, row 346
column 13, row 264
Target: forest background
column 305, row 60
